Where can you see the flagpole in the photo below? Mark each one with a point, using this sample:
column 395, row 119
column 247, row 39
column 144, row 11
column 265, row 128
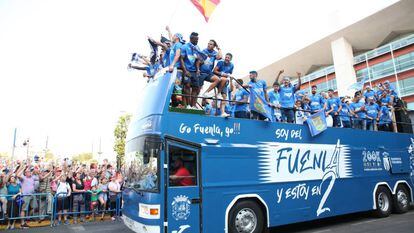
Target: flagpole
column 173, row 14
column 14, row 145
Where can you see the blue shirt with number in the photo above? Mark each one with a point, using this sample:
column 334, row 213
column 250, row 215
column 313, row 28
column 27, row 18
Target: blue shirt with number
column 356, row 107
column 177, row 46
column 372, row 110
column 208, row 64
column 316, row 102
column 334, row 102
column 239, row 96
column 189, row 56
column 224, row 67
column 287, row 96
column 259, row 86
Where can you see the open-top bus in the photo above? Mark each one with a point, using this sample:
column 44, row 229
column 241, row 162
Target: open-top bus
column 246, row 175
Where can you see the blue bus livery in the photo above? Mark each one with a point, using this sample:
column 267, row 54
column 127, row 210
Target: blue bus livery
column 196, row 173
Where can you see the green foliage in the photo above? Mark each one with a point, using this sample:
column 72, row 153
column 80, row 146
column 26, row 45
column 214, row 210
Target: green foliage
column 4, row 155
column 83, row 157
column 120, row 133
column 49, row 156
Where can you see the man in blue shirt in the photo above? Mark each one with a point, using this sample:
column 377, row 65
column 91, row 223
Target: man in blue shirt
column 274, row 101
column 224, row 70
column 188, row 61
column 287, row 97
column 384, row 119
column 241, row 96
column 334, row 108
column 369, row 93
column 205, row 68
column 317, row 102
column 345, row 113
column 357, row 108
column 372, row 110
column 259, row 86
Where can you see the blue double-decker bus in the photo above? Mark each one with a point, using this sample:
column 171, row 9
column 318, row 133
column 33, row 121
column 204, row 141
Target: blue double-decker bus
column 196, row 173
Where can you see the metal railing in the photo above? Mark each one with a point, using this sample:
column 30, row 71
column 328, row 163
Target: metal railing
column 45, row 206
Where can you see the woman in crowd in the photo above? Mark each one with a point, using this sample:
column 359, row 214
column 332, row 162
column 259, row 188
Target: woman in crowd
column 63, row 194
column 103, row 196
column 14, row 190
column 78, row 197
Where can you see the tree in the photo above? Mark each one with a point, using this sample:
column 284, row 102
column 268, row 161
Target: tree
column 120, row 133
column 49, row 156
column 83, row 157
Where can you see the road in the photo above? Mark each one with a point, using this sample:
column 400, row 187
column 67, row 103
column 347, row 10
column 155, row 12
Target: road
column 356, row 223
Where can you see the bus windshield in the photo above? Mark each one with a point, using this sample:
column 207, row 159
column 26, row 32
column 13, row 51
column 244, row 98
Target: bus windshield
column 141, row 168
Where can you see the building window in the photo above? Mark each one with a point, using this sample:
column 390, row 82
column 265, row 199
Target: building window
column 406, row 86
column 404, row 62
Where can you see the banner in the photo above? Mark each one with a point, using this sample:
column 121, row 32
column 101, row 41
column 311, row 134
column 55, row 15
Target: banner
column 317, row 123
column 358, row 85
column 259, row 104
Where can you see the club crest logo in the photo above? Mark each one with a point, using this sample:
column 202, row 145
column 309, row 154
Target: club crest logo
column 386, row 161
column 181, row 207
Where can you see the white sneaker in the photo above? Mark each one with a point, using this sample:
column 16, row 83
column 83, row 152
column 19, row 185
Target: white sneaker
column 225, row 115
column 206, row 95
column 188, row 107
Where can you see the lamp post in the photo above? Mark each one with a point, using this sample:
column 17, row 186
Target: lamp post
column 27, row 144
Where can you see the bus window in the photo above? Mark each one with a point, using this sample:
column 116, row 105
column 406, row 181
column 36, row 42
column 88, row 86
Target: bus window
column 183, row 166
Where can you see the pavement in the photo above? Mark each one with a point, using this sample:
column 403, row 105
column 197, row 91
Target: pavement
column 354, row 223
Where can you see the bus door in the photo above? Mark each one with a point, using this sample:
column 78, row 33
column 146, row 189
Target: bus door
column 183, row 200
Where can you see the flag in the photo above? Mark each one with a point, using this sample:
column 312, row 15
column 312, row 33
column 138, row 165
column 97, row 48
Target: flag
column 259, row 104
column 154, row 51
column 200, row 55
column 317, row 123
column 358, row 85
column 206, row 7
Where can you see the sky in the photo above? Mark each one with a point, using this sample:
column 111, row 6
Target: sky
column 63, row 63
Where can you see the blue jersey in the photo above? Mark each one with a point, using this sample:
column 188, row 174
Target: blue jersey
column 239, row 96
column 224, row 67
column 287, row 96
column 385, row 117
column 316, row 102
column 189, row 56
column 177, row 46
column 299, row 95
column 208, row 64
column 334, row 103
column 274, row 97
column 345, row 116
column 385, row 100
column 372, row 110
column 370, row 93
column 259, row 86
column 357, row 106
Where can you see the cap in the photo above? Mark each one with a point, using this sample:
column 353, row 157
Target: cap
column 286, row 78
column 180, row 37
column 369, row 86
column 387, row 81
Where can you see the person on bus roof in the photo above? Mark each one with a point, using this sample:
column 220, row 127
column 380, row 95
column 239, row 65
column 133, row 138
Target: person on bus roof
column 181, row 177
column 345, row 113
column 242, row 97
column 358, row 112
column 224, row 69
column 317, row 102
column 372, row 110
column 287, row 97
column 334, row 108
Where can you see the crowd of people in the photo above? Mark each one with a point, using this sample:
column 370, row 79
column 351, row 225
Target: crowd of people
column 368, row 109
column 34, row 190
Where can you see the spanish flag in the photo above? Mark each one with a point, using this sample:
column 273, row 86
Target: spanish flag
column 206, row 7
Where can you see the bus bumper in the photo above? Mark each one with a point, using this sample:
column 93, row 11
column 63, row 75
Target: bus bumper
column 139, row 227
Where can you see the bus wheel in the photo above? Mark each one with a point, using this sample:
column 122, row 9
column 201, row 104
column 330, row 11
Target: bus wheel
column 384, row 202
column 401, row 200
column 246, row 217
